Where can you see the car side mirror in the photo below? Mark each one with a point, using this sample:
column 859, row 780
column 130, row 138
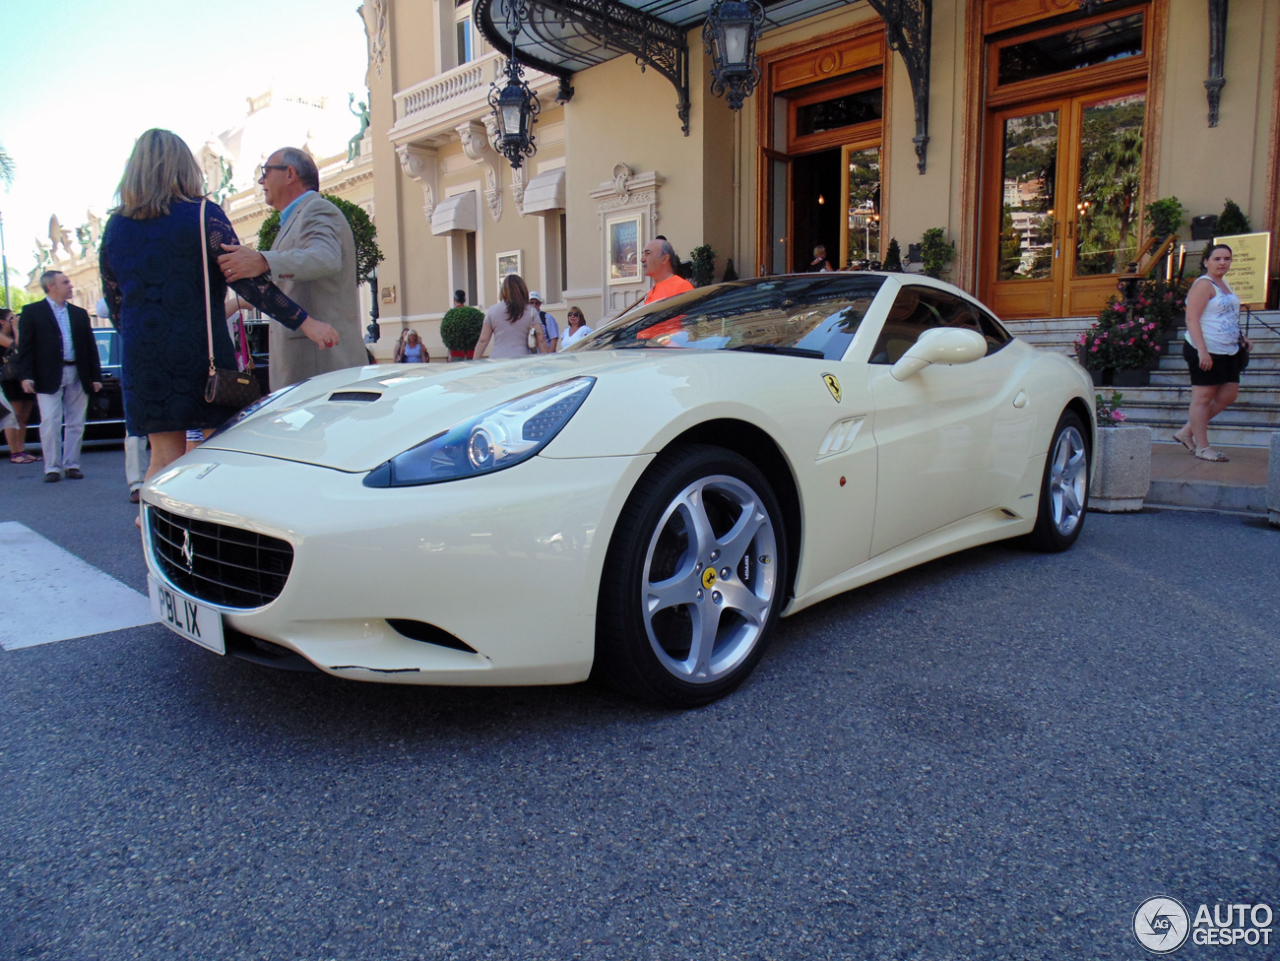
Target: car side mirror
column 940, row 345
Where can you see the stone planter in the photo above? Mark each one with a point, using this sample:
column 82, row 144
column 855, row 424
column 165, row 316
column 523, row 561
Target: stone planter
column 1122, row 469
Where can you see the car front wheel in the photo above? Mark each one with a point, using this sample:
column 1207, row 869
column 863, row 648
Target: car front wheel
column 694, row 579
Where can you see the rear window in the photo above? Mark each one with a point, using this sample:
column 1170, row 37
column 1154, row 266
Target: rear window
column 811, row 316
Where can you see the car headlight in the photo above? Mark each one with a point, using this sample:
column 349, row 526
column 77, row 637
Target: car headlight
column 495, row 440
column 252, row 409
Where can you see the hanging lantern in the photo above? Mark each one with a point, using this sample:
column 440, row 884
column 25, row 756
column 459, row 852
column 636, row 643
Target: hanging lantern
column 730, row 35
column 515, row 105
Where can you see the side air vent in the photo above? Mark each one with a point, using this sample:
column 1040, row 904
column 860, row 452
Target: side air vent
column 428, row 634
column 357, row 396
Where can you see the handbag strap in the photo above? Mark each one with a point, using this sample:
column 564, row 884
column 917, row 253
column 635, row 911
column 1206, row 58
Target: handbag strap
column 204, row 261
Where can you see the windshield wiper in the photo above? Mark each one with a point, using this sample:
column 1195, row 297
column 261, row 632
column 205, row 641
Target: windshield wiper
column 775, row 349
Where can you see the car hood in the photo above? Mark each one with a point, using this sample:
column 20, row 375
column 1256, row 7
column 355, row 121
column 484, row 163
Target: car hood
column 356, row 419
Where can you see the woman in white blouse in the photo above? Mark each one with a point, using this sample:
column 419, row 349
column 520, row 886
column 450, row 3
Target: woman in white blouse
column 1214, row 350
column 576, row 330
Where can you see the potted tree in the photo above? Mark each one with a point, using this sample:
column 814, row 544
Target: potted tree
column 460, row 330
column 1122, row 462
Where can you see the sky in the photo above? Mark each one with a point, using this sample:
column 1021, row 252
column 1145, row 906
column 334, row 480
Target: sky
column 81, row 79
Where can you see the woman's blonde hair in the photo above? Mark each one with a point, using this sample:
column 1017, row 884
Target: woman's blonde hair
column 515, row 294
column 160, row 170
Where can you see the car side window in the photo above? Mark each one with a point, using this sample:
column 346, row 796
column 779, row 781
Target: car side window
column 917, row 309
column 996, row 335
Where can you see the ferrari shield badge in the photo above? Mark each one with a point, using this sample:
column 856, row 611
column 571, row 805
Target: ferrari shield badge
column 833, row 385
column 709, row 578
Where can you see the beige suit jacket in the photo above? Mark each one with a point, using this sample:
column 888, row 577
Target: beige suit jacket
column 313, row 260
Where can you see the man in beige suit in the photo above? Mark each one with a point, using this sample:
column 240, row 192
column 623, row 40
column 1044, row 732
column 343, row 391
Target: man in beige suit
column 313, row 260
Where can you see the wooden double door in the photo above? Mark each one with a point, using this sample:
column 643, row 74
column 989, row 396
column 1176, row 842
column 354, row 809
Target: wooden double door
column 1063, row 195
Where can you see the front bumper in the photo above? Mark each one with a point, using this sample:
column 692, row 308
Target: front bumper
column 510, row 562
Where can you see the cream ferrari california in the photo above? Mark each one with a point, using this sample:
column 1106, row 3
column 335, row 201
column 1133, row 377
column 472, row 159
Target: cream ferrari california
column 642, row 507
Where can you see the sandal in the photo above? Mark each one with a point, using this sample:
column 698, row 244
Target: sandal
column 1209, row 454
column 1191, row 448
column 22, row 457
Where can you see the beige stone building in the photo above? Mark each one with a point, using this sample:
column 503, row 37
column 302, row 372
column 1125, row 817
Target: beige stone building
column 1050, row 124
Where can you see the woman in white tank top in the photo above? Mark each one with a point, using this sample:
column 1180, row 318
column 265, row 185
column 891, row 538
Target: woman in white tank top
column 1213, row 350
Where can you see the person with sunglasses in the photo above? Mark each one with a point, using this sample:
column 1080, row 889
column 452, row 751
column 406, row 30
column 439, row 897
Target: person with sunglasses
column 576, row 330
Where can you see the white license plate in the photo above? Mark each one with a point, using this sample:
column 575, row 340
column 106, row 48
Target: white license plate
column 182, row 615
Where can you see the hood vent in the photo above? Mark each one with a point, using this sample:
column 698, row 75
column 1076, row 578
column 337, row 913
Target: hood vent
column 357, row 396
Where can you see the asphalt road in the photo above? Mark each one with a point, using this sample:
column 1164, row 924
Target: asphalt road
column 997, row 755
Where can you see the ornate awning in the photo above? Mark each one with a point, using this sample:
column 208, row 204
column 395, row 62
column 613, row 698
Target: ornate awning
column 561, row 37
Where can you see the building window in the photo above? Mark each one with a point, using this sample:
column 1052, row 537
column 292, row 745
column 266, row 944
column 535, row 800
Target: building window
column 1074, row 49
column 464, row 36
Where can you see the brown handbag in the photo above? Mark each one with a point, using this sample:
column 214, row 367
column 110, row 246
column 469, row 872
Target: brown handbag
column 226, row 388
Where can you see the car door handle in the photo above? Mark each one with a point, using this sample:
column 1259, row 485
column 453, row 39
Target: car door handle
column 1020, row 401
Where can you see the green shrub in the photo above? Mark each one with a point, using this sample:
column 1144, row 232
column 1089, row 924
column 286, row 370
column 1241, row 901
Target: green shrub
column 1232, row 221
column 704, row 265
column 460, row 328
column 935, row 252
column 1165, row 216
column 893, row 256
column 368, row 256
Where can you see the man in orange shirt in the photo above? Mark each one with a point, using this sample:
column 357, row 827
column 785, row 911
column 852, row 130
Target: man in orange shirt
column 656, row 260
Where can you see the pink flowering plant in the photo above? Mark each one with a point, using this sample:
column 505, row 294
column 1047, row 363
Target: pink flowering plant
column 1119, row 344
column 1128, row 336
column 1109, row 412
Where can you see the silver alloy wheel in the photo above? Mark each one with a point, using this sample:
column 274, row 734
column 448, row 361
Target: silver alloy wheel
column 710, row 575
column 1068, row 480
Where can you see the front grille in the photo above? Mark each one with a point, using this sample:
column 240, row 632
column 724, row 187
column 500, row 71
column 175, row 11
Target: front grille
column 222, row 565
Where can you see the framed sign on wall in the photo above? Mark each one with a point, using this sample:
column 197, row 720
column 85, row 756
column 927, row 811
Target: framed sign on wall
column 510, row 262
column 625, row 239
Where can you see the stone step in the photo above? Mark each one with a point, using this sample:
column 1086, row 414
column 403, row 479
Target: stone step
column 1264, row 416
column 1180, row 396
column 1221, row 430
column 1252, row 378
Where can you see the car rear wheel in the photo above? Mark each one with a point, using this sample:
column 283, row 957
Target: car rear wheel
column 1064, row 491
column 693, row 581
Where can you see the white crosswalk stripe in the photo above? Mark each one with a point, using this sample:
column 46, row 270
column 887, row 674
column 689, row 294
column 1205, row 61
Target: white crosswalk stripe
column 52, row 595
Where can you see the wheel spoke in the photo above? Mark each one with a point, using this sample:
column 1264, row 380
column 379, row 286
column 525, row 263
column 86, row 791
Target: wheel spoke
column 706, row 623
column 735, row 543
column 695, row 511
column 681, row 589
column 736, row 596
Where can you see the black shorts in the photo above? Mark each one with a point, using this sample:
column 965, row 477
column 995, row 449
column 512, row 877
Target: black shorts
column 1226, row 367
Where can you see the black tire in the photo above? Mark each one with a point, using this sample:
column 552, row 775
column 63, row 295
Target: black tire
column 1064, row 488
column 691, row 635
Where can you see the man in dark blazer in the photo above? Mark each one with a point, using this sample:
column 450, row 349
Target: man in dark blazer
column 58, row 361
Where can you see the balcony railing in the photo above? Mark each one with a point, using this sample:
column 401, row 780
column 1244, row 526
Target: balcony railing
column 467, row 82
column 461, row 89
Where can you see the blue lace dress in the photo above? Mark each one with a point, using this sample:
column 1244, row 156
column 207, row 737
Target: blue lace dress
column 154, row 286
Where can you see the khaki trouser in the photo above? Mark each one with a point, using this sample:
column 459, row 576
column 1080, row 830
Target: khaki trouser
column 64, row 408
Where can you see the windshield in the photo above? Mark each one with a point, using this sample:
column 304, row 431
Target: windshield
column 814, row 315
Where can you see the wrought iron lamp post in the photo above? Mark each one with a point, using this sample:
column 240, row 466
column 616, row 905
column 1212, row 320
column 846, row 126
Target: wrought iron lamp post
column 515, row 105
column 730, row 37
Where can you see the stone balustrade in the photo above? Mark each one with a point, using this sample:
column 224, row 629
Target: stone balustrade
column 470, row 81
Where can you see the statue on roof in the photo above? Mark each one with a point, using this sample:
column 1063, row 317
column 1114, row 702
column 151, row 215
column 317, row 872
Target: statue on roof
column 353, row 146
column 59, row 236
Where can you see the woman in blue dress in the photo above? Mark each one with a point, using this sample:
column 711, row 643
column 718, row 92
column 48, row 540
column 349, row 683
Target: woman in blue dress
column 154, row 284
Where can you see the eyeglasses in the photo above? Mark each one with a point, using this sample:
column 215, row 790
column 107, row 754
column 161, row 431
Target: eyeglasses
column 266, row 167
column 574, row 313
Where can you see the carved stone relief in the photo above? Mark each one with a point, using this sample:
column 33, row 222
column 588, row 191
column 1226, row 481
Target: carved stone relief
column 421, row 164
column 477, row 144
column 374, row 15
